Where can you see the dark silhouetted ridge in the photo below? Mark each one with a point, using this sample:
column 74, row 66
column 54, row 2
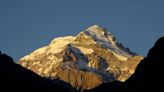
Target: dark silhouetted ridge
column 148, row 75
column 15, row 78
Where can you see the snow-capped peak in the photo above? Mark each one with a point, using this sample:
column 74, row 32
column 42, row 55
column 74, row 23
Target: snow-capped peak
column 97, row 30
column 92, row 55
column 99, row 33
column 94, row 27
column 105, row 39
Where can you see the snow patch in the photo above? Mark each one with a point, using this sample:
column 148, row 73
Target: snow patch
column 58, row 44
column 26, row 58
column 104, row 38
column 35, row 53
column 40, row 50
column 120, row 57
column 85, row 50
column 94, row 27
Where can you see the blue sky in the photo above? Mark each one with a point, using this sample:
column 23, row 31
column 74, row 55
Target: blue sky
column 26, row 25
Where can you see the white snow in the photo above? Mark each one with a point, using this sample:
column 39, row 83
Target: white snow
column 35, row 53
column 54, row 61
column 52, row 57
column 25, row 57
column 120, row 57
column 39, row 71
column 58, row 44
column 46, row 71
column 85, row 50
column 95, row 32
column 107, row 40
column 90, row 64
column 94, row 35
column 40, row 50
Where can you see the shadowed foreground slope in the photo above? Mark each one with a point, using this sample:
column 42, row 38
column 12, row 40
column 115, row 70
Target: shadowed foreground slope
column 16, row 78
column 148, row 75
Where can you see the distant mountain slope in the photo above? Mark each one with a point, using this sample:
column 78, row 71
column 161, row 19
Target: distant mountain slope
column 15, row 78
column 85, row 61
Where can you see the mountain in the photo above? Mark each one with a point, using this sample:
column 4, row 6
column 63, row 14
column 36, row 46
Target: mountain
column 147, row 77
column 86, row 60
column 17, row 79
column 149, row 73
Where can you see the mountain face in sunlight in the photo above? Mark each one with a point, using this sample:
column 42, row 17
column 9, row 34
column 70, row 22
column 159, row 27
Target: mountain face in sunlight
column 15, row 78
column 86, row 60
column 147, row 76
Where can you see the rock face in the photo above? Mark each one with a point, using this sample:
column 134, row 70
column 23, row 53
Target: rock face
column 16, row 78
column 148, row 74
column 85, row 61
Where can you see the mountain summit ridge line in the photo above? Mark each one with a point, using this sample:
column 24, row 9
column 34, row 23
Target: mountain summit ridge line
column 85, row 61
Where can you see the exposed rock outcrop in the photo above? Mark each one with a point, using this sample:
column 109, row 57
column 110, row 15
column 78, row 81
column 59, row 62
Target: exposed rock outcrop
column 85, row 61
column 17, row 79
column 148, row 76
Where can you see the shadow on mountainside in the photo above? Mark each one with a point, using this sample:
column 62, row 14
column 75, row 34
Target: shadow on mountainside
column 148, row 75
column 18, row 79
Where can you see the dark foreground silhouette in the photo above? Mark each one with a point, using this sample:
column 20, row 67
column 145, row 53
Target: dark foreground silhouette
column 15, row 78
column 148, row 76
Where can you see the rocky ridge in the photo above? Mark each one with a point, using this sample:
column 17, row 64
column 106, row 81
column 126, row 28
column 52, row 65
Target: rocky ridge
column 85, row 61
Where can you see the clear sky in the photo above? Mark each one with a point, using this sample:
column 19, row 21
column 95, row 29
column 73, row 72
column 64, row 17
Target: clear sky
column 26, row 25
